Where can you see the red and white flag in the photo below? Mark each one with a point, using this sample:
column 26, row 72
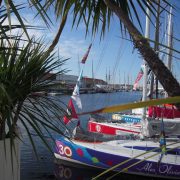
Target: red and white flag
column 72, row 115
column 140, row 74
column 86, row 55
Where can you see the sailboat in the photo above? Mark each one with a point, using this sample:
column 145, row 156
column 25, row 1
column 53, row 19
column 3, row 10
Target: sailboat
column 155, row 153
column 130, row 123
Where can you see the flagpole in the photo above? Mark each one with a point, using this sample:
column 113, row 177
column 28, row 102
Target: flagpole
column 76, row 93
column 72, row 115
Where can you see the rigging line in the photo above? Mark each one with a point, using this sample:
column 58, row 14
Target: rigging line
column 164, row 37
column 98, row 99
column 106, row 44
column 176, row 27
column 173, row 37
column 130, row 159
column 141, row 160
column 118, row 58
column 176, row 38
column 175, row 57
column 101, row 57
column 116, row 63
column 98, row 66
column 132, row 64
column 164, row 29
column 134, row 57
column 177, row 67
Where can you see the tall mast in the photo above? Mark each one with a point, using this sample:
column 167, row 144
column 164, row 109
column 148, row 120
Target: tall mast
column 128, row 80
column 124, row 82
column 93, row 73
column 147, row 35
column 169, row 40
column 109, row 76
column 106, row 76
column 156, row 48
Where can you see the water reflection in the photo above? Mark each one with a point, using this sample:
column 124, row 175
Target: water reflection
column 69, row 171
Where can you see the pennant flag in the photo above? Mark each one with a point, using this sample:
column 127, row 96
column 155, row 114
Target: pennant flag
column 71, row 113
column 76, row 97
column 76, row 93
column 140, row 74
column 86, row 55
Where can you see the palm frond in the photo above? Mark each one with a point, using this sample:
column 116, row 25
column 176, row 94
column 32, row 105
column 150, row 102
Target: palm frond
column 22, row 73
column 11, row 6
column 96, row 15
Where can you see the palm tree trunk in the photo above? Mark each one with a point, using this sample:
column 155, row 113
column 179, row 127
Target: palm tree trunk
column 165, row 77
column 61, row 27
column 56, row 38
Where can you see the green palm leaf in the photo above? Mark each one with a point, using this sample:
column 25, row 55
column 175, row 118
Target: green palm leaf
column 22, row 73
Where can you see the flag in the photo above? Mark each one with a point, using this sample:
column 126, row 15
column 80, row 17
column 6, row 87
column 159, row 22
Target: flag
column 140, row 74
column 72, row 115
column 75, row 94
column 86, row 55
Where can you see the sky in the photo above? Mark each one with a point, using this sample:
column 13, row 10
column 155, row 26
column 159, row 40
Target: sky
column 111, row 55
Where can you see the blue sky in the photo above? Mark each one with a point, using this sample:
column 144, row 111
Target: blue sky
column 110, row 55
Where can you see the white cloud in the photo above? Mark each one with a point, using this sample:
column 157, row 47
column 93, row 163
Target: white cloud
column 30, row 21
column 72, row 47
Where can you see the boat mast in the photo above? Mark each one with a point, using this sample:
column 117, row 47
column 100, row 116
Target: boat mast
column 147, row 35
column 124, row 82
column 156, row 48
column 106, row 76
column 169, row 42
column 93, row 75
column 119, row 80
column 109, row 79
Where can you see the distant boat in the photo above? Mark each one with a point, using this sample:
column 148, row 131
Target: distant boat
column 54, row 93
column 102, row 88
